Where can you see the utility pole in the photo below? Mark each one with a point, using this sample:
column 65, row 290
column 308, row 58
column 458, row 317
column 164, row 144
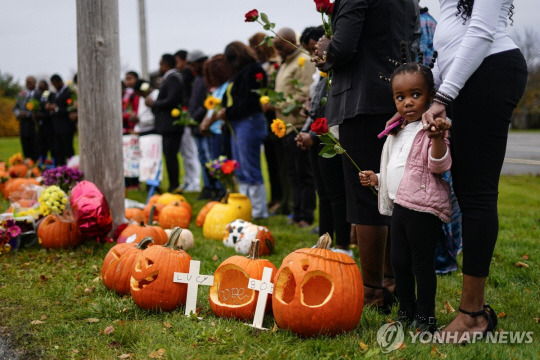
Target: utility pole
column 142, row 36
column 99, row 100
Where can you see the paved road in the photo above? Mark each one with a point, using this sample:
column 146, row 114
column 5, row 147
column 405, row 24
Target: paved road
column 522, row 154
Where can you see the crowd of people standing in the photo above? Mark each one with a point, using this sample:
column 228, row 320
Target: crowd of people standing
column 399, row 231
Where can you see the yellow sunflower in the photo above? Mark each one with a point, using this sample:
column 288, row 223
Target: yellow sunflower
column 211, row 102
column 279, row 128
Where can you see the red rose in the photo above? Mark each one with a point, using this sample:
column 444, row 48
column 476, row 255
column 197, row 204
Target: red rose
column 330, row 9
column 322, row 5
column 276, row 66
column 252, row 16
column 69, row 101
column 259, row 76
column 228, row 167
column 320, row 126
column 184, row 108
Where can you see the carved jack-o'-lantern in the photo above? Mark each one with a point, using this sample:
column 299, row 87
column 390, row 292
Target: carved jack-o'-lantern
column 318, row 291
column 234, row 206
column 152, row 275
column 116, row 269
column 230, row 295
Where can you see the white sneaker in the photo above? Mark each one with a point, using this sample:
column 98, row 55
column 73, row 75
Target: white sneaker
column 343, row 251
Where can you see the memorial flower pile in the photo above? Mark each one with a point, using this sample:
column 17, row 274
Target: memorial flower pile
column 64, row 177
column 8, row 231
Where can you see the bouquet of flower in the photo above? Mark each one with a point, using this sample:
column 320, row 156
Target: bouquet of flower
column 33, row 105
column 52, row 201
column 64, row 177
column 182, row 114
column 222, row 169
column 8, row 232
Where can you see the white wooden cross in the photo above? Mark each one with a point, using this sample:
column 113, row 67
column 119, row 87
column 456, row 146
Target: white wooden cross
column 264, row 287
column 193, row 279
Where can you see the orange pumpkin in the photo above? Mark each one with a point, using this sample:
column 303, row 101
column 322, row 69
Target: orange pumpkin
column 318, row 291
column 13, row 185
column 175, row 215
column 148, row 208
column 116, row 269
column 199, row 221
column 141, row 231
column 18, row 171
column 135, row 214
column 152, row 275
column 168, row 198
column 58, row 232
column 230, row 295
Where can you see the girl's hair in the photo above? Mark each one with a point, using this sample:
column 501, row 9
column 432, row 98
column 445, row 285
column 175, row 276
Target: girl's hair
column 465, row 7
column 239, row 55
column 264, row 53
column 216, row 71
column 415, row 68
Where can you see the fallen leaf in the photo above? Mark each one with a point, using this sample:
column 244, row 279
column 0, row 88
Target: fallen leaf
column 520, row 264
column 121, row 322
column 167, row 324
column 89, row 290
column 43, row 278
column 37, row 322
column 158, row 354
column 525, row 257
column 108, row 330
column 537, row 320
column 501, row 315
column 57, row 303
column 125, row 356
column 43, row 317
column 92, row 320
column 213, row 324
column 97, row 279
column 75, row 351
column 95, row 268
column 215, row 258
column 401, row 346
column 436, row 353
column 114, row 344
column 449, row 309
column 363, row 347
column 275, row 328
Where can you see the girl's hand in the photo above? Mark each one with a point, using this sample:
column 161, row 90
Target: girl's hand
column 428, row 118
column 441, row 126
column 368, row 178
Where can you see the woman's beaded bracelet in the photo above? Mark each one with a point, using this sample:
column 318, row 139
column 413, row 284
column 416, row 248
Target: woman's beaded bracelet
column 443, row 98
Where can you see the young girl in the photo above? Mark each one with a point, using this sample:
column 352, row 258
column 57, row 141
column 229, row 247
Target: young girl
column 412, row 190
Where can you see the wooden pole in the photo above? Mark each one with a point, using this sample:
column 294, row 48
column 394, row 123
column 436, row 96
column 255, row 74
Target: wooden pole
column 99, row 100
column 142, row 36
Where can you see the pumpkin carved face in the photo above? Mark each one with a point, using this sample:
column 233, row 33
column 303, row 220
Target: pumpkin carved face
column 232, row 207
column 318, row 291
column 230, row 295
column 116, row 269
column 152, row 275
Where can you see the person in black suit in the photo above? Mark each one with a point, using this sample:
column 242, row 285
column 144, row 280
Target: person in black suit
column 366, row 33
column 44, row 120
column 27, row 126
column 171, row 95
column 63, row 127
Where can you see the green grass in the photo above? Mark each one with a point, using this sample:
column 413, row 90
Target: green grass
column 62, row 289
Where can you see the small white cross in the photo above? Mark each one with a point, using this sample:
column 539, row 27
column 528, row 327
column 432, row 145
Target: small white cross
column 193, row 279
column 264, row 287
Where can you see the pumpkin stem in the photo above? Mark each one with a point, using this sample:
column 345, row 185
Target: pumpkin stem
column 151, row 218
column 173, row 238
column 253, row 253
column 225, row 199
column 145, row 242
column 325, row 242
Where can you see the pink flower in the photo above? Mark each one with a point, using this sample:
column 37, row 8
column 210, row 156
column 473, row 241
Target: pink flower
column 14, row 231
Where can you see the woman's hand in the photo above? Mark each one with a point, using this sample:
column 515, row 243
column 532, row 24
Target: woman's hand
column 320, row 52
column 428, row 118
column 368, row 178
column 303, row 141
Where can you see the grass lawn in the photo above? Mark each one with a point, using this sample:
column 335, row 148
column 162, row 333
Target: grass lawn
column 47, row 297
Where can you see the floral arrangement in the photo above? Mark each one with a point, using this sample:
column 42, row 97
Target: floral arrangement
column 8, row 231
column 64, row 177
column 33, row 105
column 332, row 146
column 52, row 201
column 223, row 169
column 181, row 113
